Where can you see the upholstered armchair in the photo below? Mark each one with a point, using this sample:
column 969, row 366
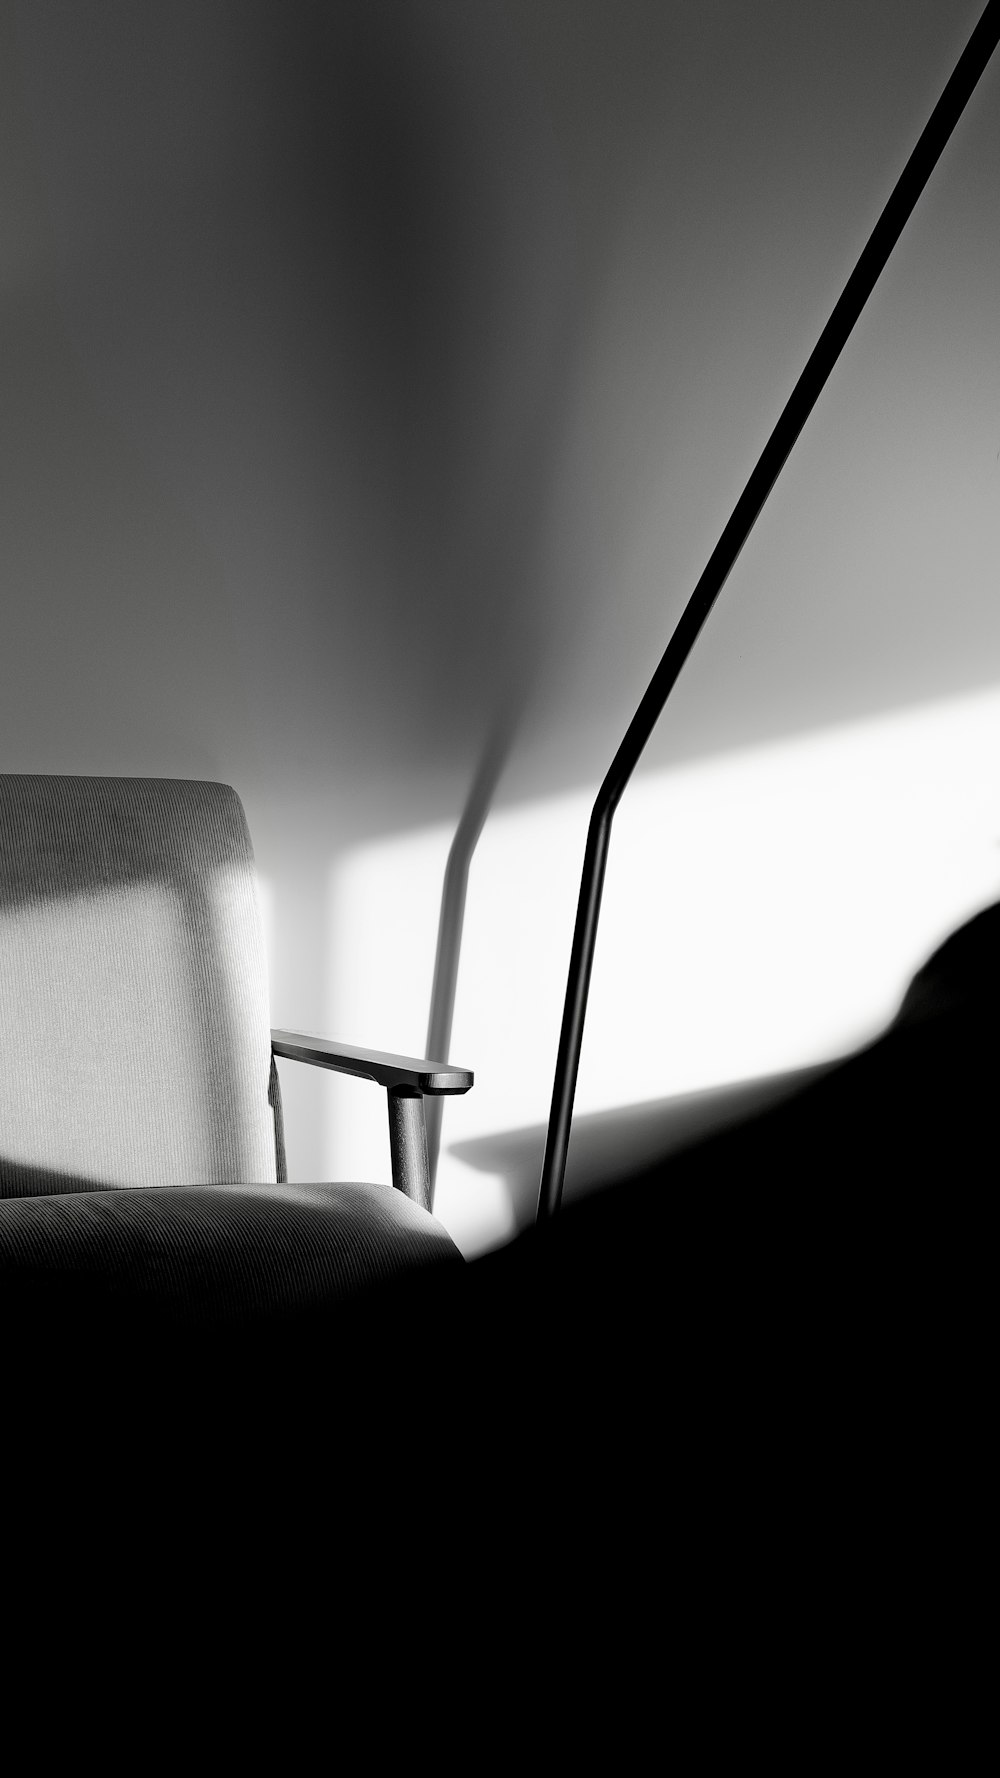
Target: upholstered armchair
column 141, row 1145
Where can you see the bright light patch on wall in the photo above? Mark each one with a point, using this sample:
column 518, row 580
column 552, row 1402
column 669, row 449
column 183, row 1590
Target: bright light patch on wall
column 762, row 911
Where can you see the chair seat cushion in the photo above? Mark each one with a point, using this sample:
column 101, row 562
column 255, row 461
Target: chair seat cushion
column 203, row 1256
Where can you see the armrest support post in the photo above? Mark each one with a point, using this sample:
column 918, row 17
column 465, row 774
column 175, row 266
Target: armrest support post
column 408, row 1145
column 406, row 1079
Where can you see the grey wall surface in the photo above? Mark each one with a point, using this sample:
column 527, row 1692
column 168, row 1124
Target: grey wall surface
column 372, row 372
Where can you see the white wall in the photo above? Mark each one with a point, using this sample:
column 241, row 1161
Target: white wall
column 764, row 911
column 367, row 371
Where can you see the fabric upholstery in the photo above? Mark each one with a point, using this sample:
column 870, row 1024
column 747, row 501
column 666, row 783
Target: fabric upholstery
column 141, row 1148
column 134, row 1024
column 217, row 1255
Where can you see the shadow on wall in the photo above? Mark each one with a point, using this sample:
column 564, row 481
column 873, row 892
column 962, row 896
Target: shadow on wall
column 453, row 895
column 606, row 1145
column 130, row 949
column 338, row 365
column 20, row 1181
column 916, row 1100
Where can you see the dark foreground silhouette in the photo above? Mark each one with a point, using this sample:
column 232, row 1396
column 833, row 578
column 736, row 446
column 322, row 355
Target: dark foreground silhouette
column 840, row 1235
column 714, row 1447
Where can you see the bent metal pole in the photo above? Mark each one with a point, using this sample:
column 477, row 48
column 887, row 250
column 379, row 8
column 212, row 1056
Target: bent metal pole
column 857, row 290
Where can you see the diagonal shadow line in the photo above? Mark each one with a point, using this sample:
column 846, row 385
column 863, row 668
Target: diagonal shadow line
column 452, row 915
column 19, row 1179
column 610, row 1145
column 69, row 837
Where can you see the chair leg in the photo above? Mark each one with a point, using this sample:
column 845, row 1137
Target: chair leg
column 408, row 1145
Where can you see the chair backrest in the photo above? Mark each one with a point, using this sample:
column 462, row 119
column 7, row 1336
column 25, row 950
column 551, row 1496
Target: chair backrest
column 134, row 1024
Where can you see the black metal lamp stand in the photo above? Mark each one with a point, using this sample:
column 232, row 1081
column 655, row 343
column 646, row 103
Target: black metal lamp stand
column 832, row 340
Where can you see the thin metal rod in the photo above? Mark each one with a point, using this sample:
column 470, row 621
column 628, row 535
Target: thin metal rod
column 799, row 406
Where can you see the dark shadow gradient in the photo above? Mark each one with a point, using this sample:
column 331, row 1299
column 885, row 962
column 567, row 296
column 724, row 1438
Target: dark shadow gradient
column 452, row 916
column 741, row 1401
column 20, row 1181
column 631, row 1136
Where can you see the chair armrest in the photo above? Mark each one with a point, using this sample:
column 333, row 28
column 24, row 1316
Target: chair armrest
column 412, row 1072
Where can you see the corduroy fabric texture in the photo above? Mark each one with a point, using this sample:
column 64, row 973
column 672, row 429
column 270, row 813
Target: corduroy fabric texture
column 134, row 1024
column 219, row 1255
